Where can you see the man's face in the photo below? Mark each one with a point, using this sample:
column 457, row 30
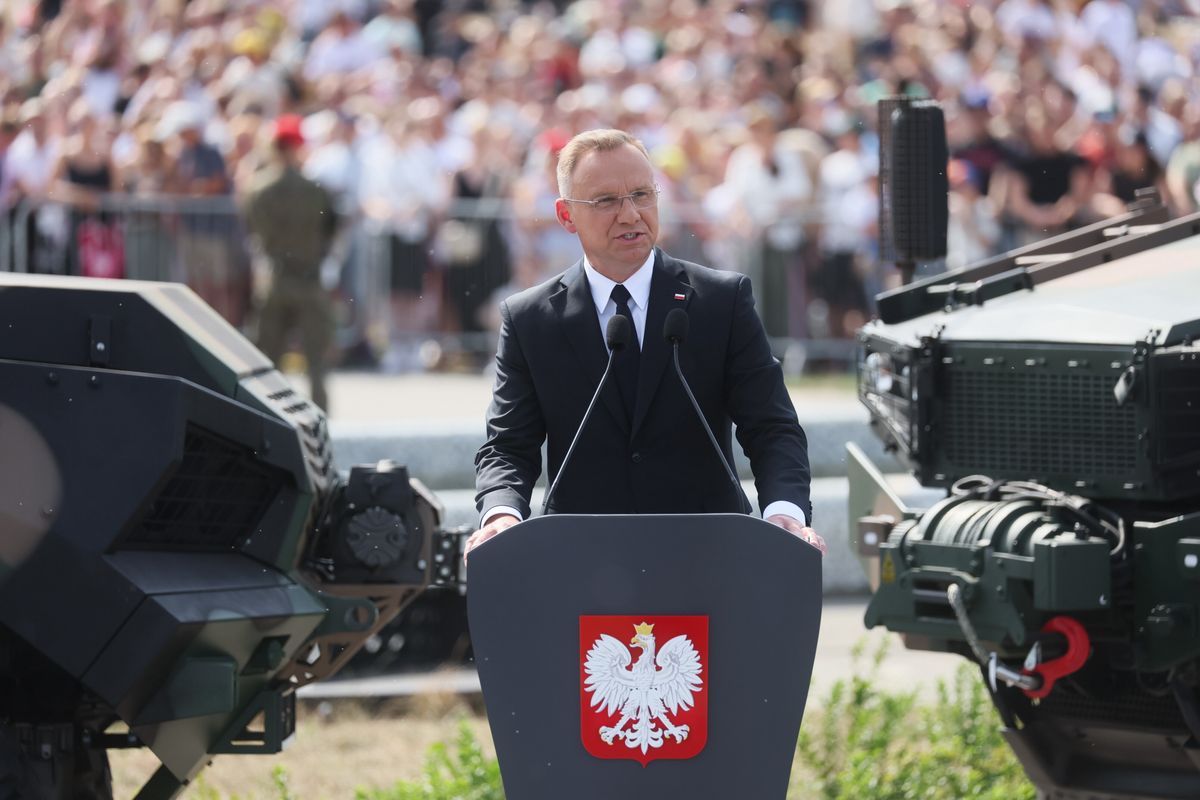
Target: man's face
column 617, row 241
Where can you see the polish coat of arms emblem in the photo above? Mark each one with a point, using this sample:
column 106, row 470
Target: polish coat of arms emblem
column 643, row 693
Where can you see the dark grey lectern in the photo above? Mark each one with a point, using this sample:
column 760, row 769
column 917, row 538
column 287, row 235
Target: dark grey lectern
column 645, row 656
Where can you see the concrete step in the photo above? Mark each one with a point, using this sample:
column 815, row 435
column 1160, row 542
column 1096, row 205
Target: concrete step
column 841, row 571
column 441, row 452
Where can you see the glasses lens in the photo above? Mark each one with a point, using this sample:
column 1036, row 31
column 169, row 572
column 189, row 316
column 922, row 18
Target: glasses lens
column 607, row 203
column 643, row 199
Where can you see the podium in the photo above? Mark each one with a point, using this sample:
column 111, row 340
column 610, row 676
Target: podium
column 642, row 656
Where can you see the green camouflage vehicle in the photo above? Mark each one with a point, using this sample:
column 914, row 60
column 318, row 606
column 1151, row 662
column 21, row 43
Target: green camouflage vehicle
column 1054, row 392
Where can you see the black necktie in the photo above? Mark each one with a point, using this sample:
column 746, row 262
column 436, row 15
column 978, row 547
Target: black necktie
column 627, row 363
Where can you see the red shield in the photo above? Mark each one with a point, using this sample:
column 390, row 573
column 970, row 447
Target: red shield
column 643, row 686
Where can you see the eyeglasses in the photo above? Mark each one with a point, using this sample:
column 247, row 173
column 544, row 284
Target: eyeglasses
column 642, row 198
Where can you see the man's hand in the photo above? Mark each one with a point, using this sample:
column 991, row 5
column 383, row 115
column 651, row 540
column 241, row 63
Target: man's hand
column 495, row 526
column 793, row 526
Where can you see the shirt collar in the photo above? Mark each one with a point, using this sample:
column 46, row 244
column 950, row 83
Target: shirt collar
column 638, row 284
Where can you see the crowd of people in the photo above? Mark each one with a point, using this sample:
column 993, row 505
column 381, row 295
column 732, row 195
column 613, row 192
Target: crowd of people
column 435, row 126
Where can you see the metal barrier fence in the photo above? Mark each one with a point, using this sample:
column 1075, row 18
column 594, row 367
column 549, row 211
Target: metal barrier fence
column 405, row 298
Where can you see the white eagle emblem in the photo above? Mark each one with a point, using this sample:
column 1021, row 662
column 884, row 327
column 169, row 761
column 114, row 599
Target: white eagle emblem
column 645, row 694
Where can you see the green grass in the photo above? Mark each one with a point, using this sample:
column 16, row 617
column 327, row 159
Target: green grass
column 860, row 741
column 868, row 742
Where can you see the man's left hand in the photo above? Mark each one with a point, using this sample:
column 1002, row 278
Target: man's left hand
column 806, row 534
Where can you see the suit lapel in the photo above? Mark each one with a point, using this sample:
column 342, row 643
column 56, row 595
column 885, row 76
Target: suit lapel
column 581, row 328
column 668, row 282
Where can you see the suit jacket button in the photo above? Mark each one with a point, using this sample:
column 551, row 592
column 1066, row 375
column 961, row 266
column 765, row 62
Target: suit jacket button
column 637, row 458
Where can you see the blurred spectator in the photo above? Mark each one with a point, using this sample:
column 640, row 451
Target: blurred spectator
column 849, row 216
column 970, row 138
column 28, row 171
column 10, row 126
column 146, row 178
column 973, row 230
column 339, row 49
column 547, row 249
column 769, row 189
column 1045, row 101
column 253, row 80
column 100, row 50
column 206, row 229
column 1047, row 188
column 402, row 191
column 1133, row 168
column 1183, row 170
column 395, row 28
column 474, row 254
column 1113, row 24
column 82, row 175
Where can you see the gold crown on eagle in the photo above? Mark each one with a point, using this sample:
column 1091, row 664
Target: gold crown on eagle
column 644, row 629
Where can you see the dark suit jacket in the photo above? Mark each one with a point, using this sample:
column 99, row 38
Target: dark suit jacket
column 551, row 356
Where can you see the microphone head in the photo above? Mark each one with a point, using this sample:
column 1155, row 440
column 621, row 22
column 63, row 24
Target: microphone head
column 675, row 329
column 618, row 333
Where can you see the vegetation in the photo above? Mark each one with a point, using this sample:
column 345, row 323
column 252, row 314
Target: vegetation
column 864, row 741
column 464, row 774
column 860, row 740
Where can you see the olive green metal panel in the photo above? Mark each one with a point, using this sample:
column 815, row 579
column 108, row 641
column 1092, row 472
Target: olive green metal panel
column 1167, row 590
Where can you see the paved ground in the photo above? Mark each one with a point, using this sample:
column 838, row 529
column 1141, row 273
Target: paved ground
column 842, row 635
column 373, row 397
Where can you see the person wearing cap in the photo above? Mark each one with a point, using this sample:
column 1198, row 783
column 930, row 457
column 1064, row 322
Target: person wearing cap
column 294, row 221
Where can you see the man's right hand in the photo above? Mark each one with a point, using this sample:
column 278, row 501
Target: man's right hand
column 495, row 527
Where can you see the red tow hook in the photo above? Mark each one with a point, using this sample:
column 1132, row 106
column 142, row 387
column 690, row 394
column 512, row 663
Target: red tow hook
column 1079, row 647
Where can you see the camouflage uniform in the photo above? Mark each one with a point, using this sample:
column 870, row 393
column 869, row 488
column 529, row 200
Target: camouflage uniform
column 295, row 222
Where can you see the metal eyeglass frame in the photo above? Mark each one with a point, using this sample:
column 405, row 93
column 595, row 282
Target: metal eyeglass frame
column 619, row 200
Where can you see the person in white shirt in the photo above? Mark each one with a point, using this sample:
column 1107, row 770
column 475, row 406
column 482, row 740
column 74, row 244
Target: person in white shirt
column 770, row 189
column 24, row 182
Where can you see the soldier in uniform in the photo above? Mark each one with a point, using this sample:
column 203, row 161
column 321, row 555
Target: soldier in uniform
column 294, row 221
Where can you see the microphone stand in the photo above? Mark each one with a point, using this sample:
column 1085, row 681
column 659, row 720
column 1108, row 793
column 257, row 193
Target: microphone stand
column 737, row 485
column 583, row 424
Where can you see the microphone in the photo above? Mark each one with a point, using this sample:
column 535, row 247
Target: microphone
column 675, row 331
column 617, row 336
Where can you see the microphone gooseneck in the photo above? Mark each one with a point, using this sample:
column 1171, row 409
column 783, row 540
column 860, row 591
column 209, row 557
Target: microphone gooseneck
column 617, row 336
column 675, row 331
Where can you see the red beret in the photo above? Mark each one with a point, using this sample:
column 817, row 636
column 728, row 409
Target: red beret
column 287, row 130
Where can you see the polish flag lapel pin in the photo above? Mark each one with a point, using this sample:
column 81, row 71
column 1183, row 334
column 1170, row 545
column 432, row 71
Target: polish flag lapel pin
column 680, row 296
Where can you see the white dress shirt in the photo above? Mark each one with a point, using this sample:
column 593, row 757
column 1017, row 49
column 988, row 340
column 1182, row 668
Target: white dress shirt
column 638, row 286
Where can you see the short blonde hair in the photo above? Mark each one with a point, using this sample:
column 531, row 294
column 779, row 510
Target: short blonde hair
column 587, row 142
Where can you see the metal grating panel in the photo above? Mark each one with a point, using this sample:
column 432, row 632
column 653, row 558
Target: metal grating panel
column 1179, row 408
column 1124, row 708
column 1016, row 423
column 214, row 499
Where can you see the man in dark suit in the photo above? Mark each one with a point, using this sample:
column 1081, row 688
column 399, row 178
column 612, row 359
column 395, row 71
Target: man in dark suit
column 644, row 450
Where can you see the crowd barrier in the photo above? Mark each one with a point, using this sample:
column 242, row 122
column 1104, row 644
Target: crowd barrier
column 406, row 301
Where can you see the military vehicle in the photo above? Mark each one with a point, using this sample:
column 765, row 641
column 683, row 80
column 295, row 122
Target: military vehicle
column 1054, row 393
column 178, row 554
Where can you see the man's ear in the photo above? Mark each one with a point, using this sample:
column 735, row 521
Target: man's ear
column 562, row 212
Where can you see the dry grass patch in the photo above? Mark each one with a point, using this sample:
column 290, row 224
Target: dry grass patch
column 330, row 757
